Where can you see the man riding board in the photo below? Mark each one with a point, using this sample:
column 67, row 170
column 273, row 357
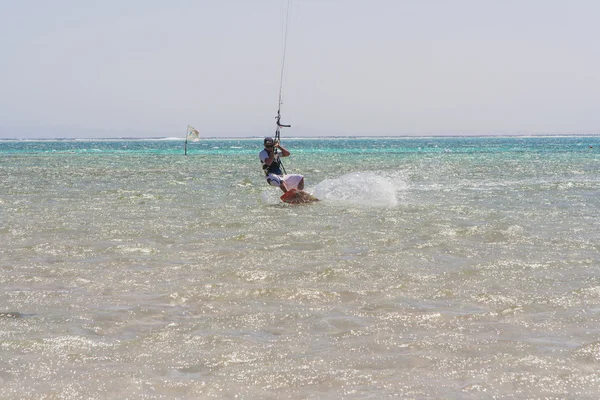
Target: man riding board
column 271, row 164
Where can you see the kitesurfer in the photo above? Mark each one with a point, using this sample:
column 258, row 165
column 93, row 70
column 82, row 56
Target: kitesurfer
column 271, row 164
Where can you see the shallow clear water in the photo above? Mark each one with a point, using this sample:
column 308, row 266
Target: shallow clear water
column 432, row 268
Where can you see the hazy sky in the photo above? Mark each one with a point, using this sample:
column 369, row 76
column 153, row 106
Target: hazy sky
column 354, row 67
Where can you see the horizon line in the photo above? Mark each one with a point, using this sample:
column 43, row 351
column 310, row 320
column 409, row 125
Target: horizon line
column 176, row 138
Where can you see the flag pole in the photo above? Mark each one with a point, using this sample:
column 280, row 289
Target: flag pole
column 186, row 136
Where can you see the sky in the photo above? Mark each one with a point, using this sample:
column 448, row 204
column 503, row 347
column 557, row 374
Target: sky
column 148, row 68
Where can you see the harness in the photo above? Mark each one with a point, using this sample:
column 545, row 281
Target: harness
column 274, row 168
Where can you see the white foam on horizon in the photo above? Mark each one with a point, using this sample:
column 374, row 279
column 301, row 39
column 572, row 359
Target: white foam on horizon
column 302, row 138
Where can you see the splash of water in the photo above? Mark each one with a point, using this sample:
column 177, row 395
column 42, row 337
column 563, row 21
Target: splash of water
column 271, row 196
column 362, row 188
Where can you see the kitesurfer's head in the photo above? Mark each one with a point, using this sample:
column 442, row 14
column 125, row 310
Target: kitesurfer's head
column 269, row 142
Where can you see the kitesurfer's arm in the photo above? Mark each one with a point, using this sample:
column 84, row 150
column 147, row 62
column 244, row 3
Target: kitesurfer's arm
column 284, row 152
column 269, row 160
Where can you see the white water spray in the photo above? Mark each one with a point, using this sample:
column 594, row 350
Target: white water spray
column 362, row 188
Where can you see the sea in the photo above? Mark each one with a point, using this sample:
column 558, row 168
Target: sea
column 431, row 268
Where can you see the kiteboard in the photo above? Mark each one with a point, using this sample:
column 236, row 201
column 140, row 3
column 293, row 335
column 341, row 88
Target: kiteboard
column 295, row 196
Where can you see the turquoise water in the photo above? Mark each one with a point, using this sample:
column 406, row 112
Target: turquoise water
column 432, row 268
column 336, row 145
